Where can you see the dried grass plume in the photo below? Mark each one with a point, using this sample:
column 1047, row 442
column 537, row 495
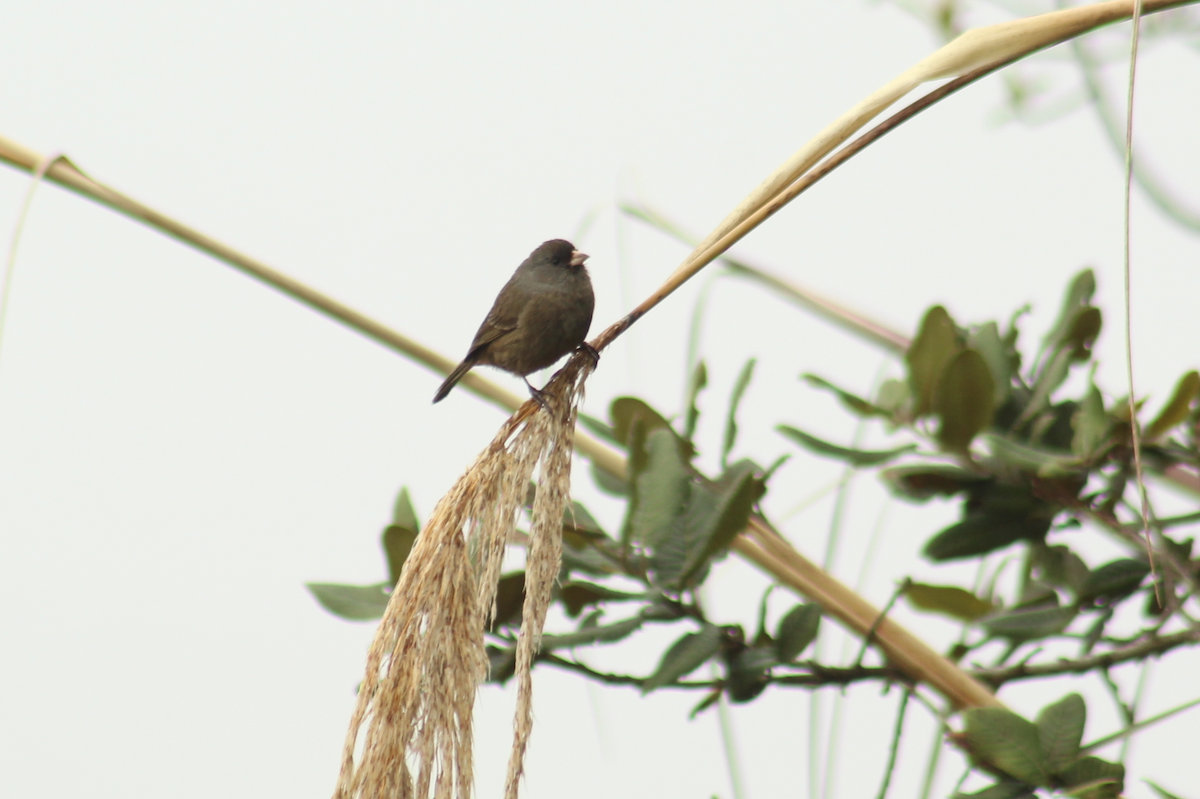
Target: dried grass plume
column 411, row 731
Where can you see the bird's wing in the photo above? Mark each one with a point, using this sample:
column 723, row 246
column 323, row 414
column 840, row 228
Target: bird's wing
column 492, row 328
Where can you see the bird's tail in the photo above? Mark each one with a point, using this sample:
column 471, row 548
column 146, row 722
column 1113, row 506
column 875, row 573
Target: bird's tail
column 454, row 377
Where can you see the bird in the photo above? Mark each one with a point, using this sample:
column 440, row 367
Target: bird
column 543, row 312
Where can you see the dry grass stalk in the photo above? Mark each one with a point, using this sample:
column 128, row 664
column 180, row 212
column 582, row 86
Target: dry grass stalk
column 412, row 725
column 543, row 559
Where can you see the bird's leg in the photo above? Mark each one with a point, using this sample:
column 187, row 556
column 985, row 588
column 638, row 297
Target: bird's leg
column 592, row 352
column 538, row 394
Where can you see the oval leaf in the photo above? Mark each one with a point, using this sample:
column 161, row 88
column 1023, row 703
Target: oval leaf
column 797, row 630
column 965, row 400
column 1091, row 425
column 749, row 673
column 955, row 602
column 934, row 346
column 658, row 483
column 353, row 602
column 1078, row 296
column 592, row 635
column 712, row 533
column 624, row 411
column 1007, row 742
column 685, row 656
column 1177, row 408
column 1114, row 580
column 1029, row 623
column 577, row 595
column 978, row 534
column 1085, row 328
column 1060, row 729
column 986, row 340
column 397, row 543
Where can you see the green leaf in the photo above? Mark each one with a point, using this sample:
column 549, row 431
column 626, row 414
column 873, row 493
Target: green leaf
column 731, row 428
column 397, row 543
column 353, row 602
column 577, row 595
column 985, row 339
column 578, row 521
column 584, row 557
column 502, row 663
column 977, row 534
column 934, row 346
column 403, row 514
column 797, row 630
column 713, row 517
column 996, row 514
column 1078, row 297
column 625, row 411
column 608, row 483
column 600, row 429
column 1082, row 334
column 685, row 656
column 922, row 482
column 1043, row 463
column 1060, row 567
column 1091, row 425
column 698, row 383
column 658, row 486
column 1114, row 580
column 1001, row 790
column 510, row 599
column 1161, row 791
column 400, row 535
column 1007, row 742
column 852, row 402
column 1093, row 778
column 893, row 396
column 738, row 488
column 1049, row 378
column 964, row 399
column 955, row 602
column 749, row 673
column 1178, row 408
column 1029, row 623
column 1060, row 730
column 855, row 457
column 704, row 704
column 593, row 635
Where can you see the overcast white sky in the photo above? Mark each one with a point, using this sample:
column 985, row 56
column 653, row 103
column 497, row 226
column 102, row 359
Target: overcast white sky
column 181, row 448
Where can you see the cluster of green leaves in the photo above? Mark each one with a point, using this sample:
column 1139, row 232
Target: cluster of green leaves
column 678, row 522
column 979, row 426
column 367, row 602
column 1047, row 463
column 1047, row 754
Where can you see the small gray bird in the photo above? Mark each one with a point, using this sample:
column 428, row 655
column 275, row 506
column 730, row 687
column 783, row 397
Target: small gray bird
column 541, row 314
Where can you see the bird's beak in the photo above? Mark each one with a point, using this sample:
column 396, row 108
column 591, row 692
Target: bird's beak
column 577, row 258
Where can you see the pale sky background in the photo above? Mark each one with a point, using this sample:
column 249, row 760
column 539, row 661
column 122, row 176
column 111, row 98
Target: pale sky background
column 181, row 448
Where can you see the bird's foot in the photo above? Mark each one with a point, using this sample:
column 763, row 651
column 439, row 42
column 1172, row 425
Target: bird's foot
column 539, row 395
column 592, row 352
